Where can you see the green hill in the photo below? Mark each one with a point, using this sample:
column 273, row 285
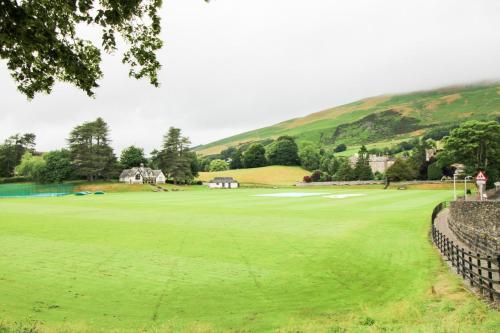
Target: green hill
column 381, row 120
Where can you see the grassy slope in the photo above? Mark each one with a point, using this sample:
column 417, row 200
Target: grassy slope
column 215, row 261
column 436, row 107
column 270, row 175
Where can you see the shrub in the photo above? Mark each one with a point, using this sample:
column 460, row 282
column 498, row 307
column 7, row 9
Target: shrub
column 316, row 176
column 400, row 170
column 307, row 179
column 18, row 179
column 218, row 165
column 309, row 156
column 340, row 148
column 325, row 177
column 434, row 172
column 255, row 156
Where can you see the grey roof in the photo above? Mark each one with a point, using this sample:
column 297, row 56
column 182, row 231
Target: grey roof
column 223, row 180
column 145, row 172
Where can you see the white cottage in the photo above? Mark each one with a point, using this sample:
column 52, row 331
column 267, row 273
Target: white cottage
column 142, row 175
column 223, row 182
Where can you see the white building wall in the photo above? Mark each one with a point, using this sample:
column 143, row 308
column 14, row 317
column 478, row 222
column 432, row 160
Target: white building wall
column 223, row 185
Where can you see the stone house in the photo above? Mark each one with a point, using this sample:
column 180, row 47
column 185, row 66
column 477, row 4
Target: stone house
column 377, row 163
column 142, row 175
column 223, row 182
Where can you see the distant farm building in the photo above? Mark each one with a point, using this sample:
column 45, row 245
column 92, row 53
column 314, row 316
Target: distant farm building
column 142, row 175
column 377, row 163
column 223, row 182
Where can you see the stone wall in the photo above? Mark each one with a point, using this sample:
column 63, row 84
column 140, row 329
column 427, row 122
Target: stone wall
column 477, row 224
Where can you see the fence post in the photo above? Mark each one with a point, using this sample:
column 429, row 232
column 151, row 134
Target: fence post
column 480, row 272
column 452, row 246
column 448, row 248
column 490, row 277
column 471, row 275
column 463, row 263
column 457, row 258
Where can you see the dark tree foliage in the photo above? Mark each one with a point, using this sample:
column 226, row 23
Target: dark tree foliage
column 477, row 145
column 345, row 172
column 58, row 167
column 400, row 170
column 175, row 159
column 283, row 152
column 437, row 133
column 42, row 45
column 329, row 164
column 434, row 172
column 309, row 156
column 12, row 150
column 228, row 153
column 340, row 148
column 236, row 160
column 154, row 159
column 132, row 157
column 194, row 163
column 362, row 169
column 91, row 153
column 255, row 156
column 316, row 175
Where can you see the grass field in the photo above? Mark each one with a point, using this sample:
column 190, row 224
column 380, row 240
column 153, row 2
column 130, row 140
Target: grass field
column 270, row 175
column 230, row 261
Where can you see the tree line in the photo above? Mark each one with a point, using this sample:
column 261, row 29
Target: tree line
column 475, row 144
column 88, row 155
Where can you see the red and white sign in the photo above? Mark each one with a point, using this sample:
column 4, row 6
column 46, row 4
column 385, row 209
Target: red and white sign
column 481, row 176
column 481, row 181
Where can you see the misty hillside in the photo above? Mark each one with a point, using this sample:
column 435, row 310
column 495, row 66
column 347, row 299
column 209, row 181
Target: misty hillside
column 381, row 120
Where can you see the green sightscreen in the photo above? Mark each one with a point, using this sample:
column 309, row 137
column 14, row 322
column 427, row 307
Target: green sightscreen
column 35, row 190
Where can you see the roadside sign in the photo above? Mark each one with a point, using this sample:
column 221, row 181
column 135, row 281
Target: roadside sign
column 481, row 181
column 481, row 177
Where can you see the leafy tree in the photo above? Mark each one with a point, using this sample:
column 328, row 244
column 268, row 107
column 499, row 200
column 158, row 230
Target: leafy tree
column 476, row 144
column 31, row 166
column 328, row 164
column 362, row 169
column 42, row 43
column 237, row 160
column 340, row 148
column 255, row 156
column 228, row 153
column 434, row 172
column 309, row 156
column 204, row 164
column 57, row 168
column 378, row 175
column 194, row 163
column 12, row 151
column 219, row 165
column 418, row 159
column 283, row 151
column 132, row 157
column 345, row 172
column 175, row 159
column 400, row 170
column 91, row 154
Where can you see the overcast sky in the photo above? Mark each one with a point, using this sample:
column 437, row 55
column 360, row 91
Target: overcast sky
column 236, row 65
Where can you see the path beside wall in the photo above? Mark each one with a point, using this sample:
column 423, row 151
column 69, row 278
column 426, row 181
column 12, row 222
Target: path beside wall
column 477, row 225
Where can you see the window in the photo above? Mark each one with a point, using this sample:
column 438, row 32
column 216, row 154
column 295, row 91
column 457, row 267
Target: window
column 138, row 176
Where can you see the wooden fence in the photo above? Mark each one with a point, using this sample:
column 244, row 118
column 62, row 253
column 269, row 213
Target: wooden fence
column 480, row 270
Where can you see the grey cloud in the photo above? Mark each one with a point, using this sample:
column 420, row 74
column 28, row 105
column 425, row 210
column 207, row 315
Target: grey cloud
column 231, row 66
